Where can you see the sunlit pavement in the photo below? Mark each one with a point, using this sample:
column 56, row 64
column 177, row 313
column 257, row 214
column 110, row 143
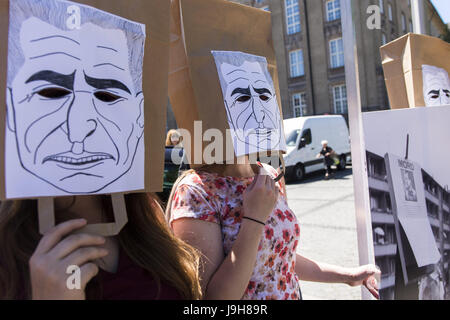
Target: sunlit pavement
column 325, row 209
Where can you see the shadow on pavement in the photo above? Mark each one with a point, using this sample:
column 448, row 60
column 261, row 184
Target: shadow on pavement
column 320, row 175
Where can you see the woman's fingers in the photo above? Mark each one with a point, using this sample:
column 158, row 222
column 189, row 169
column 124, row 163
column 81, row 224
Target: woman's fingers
column 372, row 285
column 84, row 255
column 75, row 241
column 54, row 235
column 88, row 271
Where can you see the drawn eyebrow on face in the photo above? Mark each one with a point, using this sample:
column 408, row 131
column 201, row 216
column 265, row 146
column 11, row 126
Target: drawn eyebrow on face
column 108, row 48
column 235, row 71
column 59, row 79
column 263, row 90
column 434, row 92
column 53, row 53
column 105, row 83
column 55, row 36
column 108, row 64
column 238, row 79
column 241, row 90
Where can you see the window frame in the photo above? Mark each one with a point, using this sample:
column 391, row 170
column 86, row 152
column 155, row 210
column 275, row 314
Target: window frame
column 303, row 105
column 299, row 64
column 335, row 12
column 339, row 54
column 295, row 25
column 342, row 90
column 390, row 12
column 381, row 6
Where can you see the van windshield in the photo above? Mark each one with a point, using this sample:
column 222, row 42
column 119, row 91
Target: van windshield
column 291, row 138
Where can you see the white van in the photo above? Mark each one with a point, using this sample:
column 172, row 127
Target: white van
column 303, row 139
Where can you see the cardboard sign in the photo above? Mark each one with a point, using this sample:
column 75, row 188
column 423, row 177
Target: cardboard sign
column 223, row 73
column 78, row 73
column 416, row 70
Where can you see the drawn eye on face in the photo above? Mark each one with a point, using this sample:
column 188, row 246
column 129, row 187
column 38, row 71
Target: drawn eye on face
column 243, row 98
column 53, row 93
column 107, row 96
column 241, row 95
column 264, row 94
column 434, row 94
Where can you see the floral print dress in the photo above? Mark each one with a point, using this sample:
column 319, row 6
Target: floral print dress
column 217, row 199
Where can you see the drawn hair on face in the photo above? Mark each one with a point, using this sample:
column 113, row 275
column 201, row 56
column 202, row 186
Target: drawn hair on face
column 431, row 73
column 238, row 59
column 53, row 12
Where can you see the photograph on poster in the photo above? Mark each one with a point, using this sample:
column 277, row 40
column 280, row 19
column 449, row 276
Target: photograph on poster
column 75, row 106
column 436, row 86
column 407, row 167
column 250, row 101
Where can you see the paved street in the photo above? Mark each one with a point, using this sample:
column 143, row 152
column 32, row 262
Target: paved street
column 326, row 213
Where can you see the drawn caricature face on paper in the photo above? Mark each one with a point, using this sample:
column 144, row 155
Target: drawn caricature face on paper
column 250, row 101
column 75, row 101
column 436, row 86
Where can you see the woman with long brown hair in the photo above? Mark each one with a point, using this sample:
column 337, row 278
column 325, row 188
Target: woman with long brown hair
column 145, row 260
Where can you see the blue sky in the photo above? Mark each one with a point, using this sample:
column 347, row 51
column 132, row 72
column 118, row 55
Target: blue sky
column 443, row 7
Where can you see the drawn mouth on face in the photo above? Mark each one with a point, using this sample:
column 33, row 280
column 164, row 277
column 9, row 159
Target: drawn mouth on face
column 71, row 159
column 261, row 132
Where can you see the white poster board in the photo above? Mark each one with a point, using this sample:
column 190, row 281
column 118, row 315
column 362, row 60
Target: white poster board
column 75, row 105
column 408, row 197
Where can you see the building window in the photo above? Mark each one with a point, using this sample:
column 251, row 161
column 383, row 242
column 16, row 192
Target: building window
column 299, row 104
column 333, row 10
column 296, row 63
column 410, row 26
column 383, row 39
column 390, row 15
column 336, row 53
column 292, row 16
column 381, row 4
column 403, row 22
column 340, row 99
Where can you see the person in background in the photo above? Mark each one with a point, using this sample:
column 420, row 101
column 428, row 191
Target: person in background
column 173, row 138
column 327, row 153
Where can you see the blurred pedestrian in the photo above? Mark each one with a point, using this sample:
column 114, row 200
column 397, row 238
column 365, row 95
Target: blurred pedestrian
column 173, row 138
column 327, row 153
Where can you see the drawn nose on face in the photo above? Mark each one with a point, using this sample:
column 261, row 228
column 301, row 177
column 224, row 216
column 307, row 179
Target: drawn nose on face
column 81, row 120
column 258, row 111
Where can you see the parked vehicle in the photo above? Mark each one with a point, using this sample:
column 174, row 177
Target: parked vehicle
column 303, row 140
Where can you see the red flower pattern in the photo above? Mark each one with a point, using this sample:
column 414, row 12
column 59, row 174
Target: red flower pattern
column 213, row 198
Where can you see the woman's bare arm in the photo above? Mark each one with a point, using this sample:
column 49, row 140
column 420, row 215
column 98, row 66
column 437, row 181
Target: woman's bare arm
column 309, row 270
column 222, row 278
column 226, row 278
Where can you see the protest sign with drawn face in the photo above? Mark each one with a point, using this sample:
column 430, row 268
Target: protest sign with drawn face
column 436, row 86
column 250, row 101
column 75, row 106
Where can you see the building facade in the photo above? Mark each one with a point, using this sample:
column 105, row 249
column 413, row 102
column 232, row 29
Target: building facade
column 307, row 37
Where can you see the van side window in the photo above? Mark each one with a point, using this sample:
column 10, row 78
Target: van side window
column 307, row 136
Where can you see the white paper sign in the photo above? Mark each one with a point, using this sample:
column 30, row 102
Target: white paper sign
column 409, row 198
column 250, row 101
column 436, row 86
column 75, row 106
